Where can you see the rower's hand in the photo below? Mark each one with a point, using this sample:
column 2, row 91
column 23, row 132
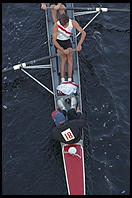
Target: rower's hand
column 78, row 110
column 56, row 7
column 63, row 51
column 66, row 51
column 79, row 48
column 43, row 6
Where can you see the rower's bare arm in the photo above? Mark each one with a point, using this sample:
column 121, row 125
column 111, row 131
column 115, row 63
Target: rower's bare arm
column 78, row 109
column 57, row 6
column 83, row 33
column 55, row 38
column 43, row 6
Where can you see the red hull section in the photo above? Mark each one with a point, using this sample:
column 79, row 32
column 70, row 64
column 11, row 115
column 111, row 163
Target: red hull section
column 74, row 169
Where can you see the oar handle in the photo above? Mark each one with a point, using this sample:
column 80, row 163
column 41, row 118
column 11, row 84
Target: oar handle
column 41, row 59
column 46, row 57
column 71, row 50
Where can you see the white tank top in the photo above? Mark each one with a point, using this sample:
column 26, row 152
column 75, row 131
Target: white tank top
column 64, row 33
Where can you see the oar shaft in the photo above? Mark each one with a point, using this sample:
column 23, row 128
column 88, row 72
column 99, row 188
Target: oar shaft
column 29, row 63
column 92, row 9
column 7, row 69
column 41, row 59
column 118, row 10
column 73, row 8
column 44, row 58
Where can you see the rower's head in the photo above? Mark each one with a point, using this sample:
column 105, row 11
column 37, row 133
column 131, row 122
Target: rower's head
column 62, row 11
column 64, row 19
column 58, row 118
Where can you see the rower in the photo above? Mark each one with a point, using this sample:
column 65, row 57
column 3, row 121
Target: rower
column 62, row 31
column 68, row 123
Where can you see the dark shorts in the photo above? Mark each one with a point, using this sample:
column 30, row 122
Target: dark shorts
column 71, row 114
column 65, row 44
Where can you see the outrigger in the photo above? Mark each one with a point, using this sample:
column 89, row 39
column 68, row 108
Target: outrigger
column 73, row 155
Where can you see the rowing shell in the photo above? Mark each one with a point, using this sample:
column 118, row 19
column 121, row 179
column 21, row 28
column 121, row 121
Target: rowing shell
column 73, row 161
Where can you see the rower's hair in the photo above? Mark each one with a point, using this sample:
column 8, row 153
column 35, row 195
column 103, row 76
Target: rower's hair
column 64, row 19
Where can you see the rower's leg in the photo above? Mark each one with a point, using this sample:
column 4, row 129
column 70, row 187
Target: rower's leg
column 62, row 66
column 73, row 102
column 54, row 14
column 61, row 104
column 70, row 64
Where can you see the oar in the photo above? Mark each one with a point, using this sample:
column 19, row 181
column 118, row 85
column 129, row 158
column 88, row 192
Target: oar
column 29, row 63
column 92, row 9
column 23, row 65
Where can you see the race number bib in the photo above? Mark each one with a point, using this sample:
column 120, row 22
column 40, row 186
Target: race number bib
column 68, row 135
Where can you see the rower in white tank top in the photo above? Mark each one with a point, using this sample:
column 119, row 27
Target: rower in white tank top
column 64, row 33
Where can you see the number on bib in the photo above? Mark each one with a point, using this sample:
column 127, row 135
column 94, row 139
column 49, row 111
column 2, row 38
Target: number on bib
column 68, row 135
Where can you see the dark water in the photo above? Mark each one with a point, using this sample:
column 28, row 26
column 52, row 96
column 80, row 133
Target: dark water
column 31, row 162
